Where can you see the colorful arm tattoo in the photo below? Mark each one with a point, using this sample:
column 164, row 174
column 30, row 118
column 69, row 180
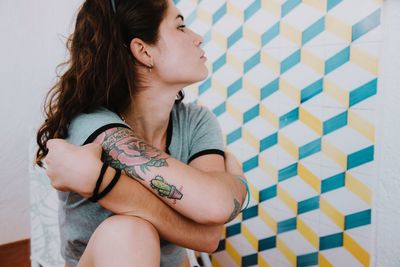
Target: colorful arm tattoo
column 236, row 210
column 122, row 150
column 126, row 152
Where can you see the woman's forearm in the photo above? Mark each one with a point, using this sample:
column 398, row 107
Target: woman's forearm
column 207, row 198
column 129, row 197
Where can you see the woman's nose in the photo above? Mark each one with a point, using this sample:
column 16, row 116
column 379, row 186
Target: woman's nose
column 198, row 40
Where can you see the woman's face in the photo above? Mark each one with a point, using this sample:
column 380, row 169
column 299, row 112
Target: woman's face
column 178, row 57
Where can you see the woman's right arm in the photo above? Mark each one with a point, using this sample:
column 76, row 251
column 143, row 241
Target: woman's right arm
column 128, row 197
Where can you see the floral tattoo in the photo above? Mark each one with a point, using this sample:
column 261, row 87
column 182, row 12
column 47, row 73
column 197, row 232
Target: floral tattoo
column 126, row 152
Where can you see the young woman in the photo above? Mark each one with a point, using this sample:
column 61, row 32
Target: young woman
column 120, row 97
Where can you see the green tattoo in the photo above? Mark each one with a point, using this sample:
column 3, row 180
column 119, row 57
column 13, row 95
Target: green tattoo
column 164, row 189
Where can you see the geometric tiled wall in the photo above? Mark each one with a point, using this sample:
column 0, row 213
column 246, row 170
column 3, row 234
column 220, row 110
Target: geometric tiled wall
column 293, row 84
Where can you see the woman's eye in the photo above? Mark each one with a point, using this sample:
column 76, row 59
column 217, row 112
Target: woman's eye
column 182, row 27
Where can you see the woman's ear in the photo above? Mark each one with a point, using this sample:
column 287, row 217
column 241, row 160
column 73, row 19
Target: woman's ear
column 141, row 52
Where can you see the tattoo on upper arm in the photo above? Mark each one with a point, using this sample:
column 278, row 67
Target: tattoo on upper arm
column 126, row 152
column 236, row 210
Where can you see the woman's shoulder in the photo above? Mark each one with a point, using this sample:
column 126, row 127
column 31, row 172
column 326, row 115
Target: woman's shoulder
column 84, row 124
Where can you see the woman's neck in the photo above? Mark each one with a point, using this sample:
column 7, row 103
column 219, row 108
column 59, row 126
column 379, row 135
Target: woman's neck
column 148, row 115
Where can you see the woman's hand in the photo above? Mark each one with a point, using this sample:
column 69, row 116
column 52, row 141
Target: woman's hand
column 73, row 168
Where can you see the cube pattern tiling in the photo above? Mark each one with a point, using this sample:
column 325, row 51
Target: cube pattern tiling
column 293, row 84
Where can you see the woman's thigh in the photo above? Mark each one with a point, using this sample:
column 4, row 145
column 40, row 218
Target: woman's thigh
column 122, row 241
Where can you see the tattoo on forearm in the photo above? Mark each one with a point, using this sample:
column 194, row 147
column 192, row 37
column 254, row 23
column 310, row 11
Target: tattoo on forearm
column 164, row 189
column 236, row 210
column 126, row 152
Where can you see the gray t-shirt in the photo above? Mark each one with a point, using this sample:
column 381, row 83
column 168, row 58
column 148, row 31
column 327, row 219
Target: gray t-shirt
column 192, row 131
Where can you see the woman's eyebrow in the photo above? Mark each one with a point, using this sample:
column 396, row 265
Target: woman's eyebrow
column 180, row 17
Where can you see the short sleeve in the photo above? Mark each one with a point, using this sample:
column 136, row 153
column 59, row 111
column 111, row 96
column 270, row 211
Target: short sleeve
column 206, row 134
column 85, row 127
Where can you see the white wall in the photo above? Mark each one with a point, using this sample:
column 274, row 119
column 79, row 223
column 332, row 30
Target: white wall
column 387, row 190
column 31, row 46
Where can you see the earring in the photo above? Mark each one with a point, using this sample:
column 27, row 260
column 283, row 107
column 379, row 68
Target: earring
column 150, row 67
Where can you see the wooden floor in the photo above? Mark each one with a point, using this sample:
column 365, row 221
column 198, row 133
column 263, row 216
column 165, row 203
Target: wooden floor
column 15, row 254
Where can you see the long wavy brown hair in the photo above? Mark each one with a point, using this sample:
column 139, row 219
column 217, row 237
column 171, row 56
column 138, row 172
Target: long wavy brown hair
column 100, row 71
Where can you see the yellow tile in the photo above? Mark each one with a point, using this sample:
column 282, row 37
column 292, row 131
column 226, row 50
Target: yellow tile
column 364, row 60
column 311, row 120
column 270, row 62
column 313, row 61
column 338, row 27
column 234, row 10
column 308, row 233
column 334, row 153
column 250, row 237
column 251, row 36
column 253, row 89
column 262, row 262
column 230, row 249
column 310, row 178
column 323, row 262
column 356, row 250
column 336, row 92
column 267, row 219
column 272, row 6
column 335, row 215
column 290, row 90
column 361, row 125
column 291, row 33
column 358, row 188
column 287, row 199
column 233, row 61
column 318, row 4
column 251, row 139
column 285, row 250
column 234, row 112
column 288, row 145
column 267, row 114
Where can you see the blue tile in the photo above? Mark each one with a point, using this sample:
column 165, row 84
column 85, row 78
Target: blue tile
column 311, row 90
column 219, row 13
column 268, row 141
column 331, row 241
column 204, row 86
column 251, row 113
column 310, row 148
column 250, row 164
column 252, row 62
column 337, row 60
column 233, row 229
column 287, row 172
column 288, row 6
column 332, row 3
column 234, row 87
column 332, row 183
column 313, row 30
column 250, row 260
column 219, row 109
column 357, row 219
column 289, row 118
column 221, row 245
column 268, row 193
column 219, row 63
column 234, row 37
column 287, row 225
column 266, row 243
column 233, row 136
column 335, row 123
column 307, row 259
column 269, row 89
column 308, row 205
column 250, row 213
column 366, row 25
column 363, row 92
column 360, row 157
column 270, row 34
column 290, row 61
column 250, row 10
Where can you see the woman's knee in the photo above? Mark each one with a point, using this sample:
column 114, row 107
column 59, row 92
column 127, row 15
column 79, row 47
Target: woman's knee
column 123, row 240
column 127, row 227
